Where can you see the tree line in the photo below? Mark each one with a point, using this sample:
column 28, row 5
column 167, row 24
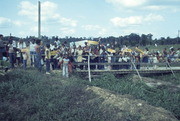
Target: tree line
column 130, row 40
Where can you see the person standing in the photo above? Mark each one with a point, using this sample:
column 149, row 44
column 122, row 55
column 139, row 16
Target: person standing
column 25, row 58
column 146, row 56
column 47, row 58
column 38, row 55
column 2, row 47
column 32, row 52
column 79, row 56
column 65, row 63
column 11, row 53
column 20, row 46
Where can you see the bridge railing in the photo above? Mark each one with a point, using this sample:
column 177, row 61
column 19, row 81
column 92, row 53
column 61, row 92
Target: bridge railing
column 103, row 64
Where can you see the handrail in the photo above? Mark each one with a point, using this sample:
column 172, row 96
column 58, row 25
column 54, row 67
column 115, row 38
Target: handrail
column 130, row 57
column 128, row 63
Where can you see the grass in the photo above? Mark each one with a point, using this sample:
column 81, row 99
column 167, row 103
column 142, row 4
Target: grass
column 168, row 78
column 158, row 48
column 159, row 97
column 33, row 96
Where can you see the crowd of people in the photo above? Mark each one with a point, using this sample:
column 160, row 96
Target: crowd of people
column 59, row 55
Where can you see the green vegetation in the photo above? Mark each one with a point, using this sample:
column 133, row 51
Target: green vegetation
column 31, row 95
column 168, row 78
column 160, row 48
column 34, row 96
column 160, row 97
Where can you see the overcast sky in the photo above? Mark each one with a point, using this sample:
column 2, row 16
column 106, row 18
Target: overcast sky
column 91, row 18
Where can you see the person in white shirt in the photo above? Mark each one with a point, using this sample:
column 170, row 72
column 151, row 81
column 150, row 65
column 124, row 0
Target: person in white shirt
column 11, row 54
column 21, row 44
column 14, row 44
column 52, row 47
column 32, row 51
column 18, row 58
column 57, row 42
column 109, row 54
column 124, row 48
column 65, row 63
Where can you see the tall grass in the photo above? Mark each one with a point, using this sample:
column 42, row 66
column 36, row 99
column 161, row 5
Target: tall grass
column 34, row 96
column 168, row 78
column 159, row 97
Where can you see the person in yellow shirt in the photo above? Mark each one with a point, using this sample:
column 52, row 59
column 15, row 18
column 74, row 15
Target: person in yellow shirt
column 48, row 58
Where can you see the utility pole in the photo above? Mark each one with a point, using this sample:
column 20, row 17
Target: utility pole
column 178, row 36
column 39, row 20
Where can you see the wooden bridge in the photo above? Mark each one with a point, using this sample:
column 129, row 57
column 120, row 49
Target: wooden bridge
column 145, row 68
column 133, row 71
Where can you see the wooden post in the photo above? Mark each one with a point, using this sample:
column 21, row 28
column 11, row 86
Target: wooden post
column 89, row 70
column 137, row 71
column 39, row 20
column 178, row 36
column 171, row 69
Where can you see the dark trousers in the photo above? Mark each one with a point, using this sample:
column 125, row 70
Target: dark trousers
column 24, row 64
column 38, row 64
column 101, row 67
column 1, row 55
column 18, row 60
column 47, row 65
column 11, row 59
column 54, row 64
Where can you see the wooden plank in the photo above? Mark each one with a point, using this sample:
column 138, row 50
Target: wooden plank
column 141, row 64
column 126, row 71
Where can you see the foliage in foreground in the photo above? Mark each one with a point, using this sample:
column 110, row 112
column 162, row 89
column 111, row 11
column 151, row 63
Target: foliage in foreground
column 42, row 97
column 159, row 97
column 33, row 96
column 169, row 78
column 30, row 95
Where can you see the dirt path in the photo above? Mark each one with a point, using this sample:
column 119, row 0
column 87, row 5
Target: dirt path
column 133, row 108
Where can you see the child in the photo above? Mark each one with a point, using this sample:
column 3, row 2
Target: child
column 18, row 58
column 48, row 58
column 25, row 58
column 60, row 58
column 65, row 63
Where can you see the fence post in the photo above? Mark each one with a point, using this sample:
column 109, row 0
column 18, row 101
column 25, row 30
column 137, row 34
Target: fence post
column 89, row 71
column 136, row 71
column 171, row 69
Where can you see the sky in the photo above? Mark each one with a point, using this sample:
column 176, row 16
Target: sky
column 90, row 18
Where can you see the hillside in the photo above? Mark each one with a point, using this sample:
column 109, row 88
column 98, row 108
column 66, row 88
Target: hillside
column 30, row 95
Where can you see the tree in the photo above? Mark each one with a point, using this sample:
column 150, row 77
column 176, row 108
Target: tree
column 144, row 40
column 134, row 39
